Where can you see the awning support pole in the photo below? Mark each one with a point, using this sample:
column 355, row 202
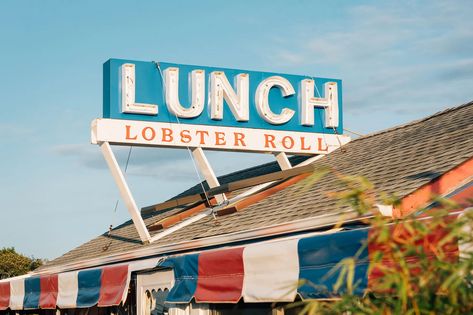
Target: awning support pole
column 206, row 170
column 125, row 192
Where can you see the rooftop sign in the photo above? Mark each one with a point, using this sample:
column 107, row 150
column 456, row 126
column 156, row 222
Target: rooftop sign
column 166, row 104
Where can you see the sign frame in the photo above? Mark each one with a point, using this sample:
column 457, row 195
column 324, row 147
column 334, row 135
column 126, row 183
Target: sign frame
column 142, row 107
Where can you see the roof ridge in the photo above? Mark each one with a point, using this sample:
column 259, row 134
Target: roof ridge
column 417, row 121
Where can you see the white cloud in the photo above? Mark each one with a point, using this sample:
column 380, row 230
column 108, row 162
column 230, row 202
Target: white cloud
column 391, row 57
column 168, row 164
column 174, row 165
column 15, row 130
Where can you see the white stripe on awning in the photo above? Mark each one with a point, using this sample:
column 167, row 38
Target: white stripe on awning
column 67, row 290
column 17, row 293
column 271, row 271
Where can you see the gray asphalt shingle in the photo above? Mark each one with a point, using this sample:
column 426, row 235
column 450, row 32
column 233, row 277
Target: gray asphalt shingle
column 397, row 161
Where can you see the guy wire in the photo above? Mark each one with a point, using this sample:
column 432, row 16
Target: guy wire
column 118, row 200
column 188, row 148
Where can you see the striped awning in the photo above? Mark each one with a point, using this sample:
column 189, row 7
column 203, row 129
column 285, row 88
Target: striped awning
column 277, row 271
column 103, row 287
column 106, row 286
column 270, row 271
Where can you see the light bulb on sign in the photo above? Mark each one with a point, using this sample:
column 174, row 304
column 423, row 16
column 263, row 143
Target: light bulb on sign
column 129, row 105
column 197, row 84
column 262, row 100
column 329, row 103
column 238, row 101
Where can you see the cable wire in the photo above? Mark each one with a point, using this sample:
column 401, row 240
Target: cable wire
column 188, row 148
column 110, row 228
column 334, row 129
column 126, row 168
column 353, row 132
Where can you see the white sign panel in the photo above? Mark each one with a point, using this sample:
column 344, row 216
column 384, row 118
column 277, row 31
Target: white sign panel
column 159, row 134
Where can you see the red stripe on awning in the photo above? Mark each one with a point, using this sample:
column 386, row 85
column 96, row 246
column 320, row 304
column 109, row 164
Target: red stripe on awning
column 220, row 276
column 4, row 295
column 429, row 245
column 49, row 289
column 114, row 280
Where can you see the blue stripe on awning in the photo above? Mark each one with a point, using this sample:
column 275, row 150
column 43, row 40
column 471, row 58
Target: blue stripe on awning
column 185, row 275
column 32, row 293
column 89, row 282
column 319, row 254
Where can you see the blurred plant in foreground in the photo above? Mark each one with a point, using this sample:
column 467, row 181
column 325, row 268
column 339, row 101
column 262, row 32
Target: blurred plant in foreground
column 419, row 264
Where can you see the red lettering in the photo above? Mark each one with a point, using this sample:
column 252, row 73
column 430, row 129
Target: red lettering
column 201, row 133
column 320, row 144
column 303, row 147
column 284, row 142
column 185, row 136
column 151, row 136
column 269, row 139
column 167, row 135
column 220, row 138
column 239, row 138
column 127, row 134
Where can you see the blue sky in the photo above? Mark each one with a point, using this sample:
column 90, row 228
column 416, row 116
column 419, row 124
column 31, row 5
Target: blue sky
column 399, row 61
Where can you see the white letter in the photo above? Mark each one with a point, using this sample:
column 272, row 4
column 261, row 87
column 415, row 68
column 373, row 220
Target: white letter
column 262, row 103
column 238, row 102
column 128, row 94
column 329, row 103
column 197, row 84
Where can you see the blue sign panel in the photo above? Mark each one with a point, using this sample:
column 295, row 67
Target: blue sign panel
column 199, row 95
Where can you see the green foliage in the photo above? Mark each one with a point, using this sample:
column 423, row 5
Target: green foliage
column 415, row 268
column 14, row 264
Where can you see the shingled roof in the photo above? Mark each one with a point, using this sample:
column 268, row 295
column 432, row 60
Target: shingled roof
column 397, row 161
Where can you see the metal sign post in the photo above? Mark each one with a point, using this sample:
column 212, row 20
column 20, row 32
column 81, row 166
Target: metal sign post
column 125, row 192
column 207, row 171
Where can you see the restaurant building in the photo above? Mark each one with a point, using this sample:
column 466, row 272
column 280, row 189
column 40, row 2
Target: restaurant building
column 275, row 226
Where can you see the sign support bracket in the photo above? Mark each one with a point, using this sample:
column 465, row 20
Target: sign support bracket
column 125, row 192
column 202, row 164
column 206, row 170
column 283, row 160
